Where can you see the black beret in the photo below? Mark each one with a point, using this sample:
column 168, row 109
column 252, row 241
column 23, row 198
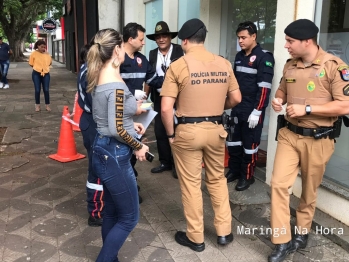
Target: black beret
column 302, row 29
column 189, row 28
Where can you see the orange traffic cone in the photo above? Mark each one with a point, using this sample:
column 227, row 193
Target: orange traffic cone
column 66, row 143
column 77, row 114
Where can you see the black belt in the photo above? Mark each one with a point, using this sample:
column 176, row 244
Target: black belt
column 306, row 131
column 192, row 120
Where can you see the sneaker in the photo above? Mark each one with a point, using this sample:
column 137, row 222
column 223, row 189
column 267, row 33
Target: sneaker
column 1, row 85
column 6, row 86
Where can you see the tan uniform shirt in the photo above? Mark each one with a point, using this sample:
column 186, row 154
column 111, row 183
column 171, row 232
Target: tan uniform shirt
column 317, row 84
column 177, row 76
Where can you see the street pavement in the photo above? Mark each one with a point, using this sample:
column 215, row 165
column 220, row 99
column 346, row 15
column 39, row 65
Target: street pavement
column 43, row 214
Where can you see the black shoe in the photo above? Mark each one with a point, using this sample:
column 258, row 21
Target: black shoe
column 300, row 241
column 94, row 222
column 174, row 173
column 140, row 199
column 182, row 239
column 281, row 251
column 225, row 239
column 231, row 177
column 160, row 169
column 244, row 183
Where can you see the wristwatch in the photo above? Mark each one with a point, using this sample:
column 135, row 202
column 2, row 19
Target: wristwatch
column 171, row 136
column 308, row 109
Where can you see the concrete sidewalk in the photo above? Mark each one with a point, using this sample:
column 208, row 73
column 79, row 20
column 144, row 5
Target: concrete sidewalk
column 43, row 214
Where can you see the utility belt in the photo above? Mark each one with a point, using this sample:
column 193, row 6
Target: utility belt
column 192, row 120
column 320, row 132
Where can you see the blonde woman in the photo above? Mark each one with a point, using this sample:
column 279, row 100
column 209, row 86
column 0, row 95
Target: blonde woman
column 113, row 107
column 40, row 60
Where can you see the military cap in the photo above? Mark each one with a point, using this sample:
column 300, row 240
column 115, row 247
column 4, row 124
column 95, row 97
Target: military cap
column 189, row 28
column 302, row 29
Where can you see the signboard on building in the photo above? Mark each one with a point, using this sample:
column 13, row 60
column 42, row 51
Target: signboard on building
column 49, row 25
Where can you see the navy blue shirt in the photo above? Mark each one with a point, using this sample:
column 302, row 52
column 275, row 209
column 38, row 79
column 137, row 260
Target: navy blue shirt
column 4, row 49
column 254, row 74
column 137, row 71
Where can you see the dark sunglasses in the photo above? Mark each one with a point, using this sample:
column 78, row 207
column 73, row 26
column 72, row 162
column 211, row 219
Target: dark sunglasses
column 246, row 27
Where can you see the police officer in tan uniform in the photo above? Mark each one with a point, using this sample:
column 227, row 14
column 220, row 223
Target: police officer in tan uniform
column 202, row 85
column 316, row 89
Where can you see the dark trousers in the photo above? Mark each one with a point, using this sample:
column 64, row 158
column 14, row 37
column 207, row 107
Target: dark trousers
column 94, row 187
column 243, row 150
column 111, row 162
column 43, row 81
column 164, row 148
column 4, row 66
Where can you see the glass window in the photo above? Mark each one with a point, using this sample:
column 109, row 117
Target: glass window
column 187, row 9
column 263, row 14
column 332, row 17
column 153, row 14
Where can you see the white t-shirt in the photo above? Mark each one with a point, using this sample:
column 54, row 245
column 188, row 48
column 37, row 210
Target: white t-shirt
column 163, row 60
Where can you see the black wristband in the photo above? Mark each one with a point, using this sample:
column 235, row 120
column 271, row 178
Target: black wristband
column 171, row 136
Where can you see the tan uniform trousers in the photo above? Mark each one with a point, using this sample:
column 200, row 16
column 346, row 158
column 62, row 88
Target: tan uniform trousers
column 312, row 156
column 194, row 143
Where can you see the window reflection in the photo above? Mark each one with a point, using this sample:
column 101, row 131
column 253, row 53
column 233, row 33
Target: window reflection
column 334, row 38
column 261, row 12
column 153, row 14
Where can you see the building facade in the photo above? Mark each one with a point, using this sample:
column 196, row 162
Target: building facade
column 221, row 18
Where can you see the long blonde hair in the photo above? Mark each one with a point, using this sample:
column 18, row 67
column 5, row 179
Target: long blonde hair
column 101, row 50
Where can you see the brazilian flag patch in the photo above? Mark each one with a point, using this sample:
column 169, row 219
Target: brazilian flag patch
column 267, row 63
column 344, row 71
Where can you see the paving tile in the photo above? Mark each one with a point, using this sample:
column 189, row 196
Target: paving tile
column 177, row 250
column 151, row 253
column 162, row 227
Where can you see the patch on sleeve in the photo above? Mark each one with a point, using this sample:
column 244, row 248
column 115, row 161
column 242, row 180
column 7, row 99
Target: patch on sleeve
column 267, row 63
column 346, row 90
column 344, row 71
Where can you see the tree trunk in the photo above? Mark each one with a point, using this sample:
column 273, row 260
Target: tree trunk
column 16, row 46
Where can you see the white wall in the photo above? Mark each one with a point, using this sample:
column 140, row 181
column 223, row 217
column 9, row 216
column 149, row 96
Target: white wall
column 109, row 14
column 284, row 16
column 210, row 14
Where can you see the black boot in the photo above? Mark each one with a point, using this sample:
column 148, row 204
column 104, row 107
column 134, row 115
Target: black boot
column 231, row 177
column 300, row 241
column 174, row 173
column 224, row 240
column 94, row 222
column 281, row 251
column 160, row 169
column 244, row 183
column 182, row 239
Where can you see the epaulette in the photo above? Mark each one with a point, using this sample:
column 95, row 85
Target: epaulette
column 266, row 51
